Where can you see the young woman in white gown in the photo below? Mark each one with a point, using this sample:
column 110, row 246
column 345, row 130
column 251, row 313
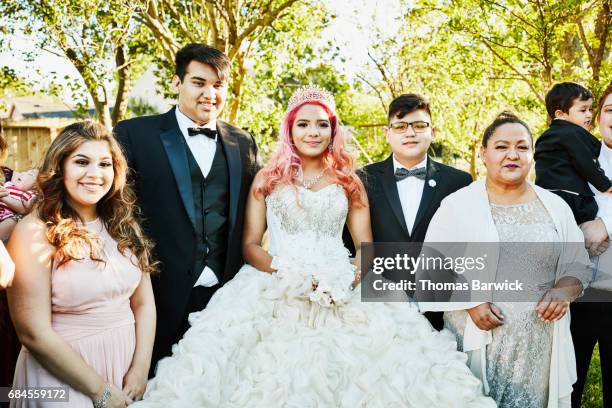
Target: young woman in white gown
column 290, row 330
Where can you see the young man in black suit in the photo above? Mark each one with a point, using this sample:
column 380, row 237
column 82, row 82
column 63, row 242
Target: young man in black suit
column 192, row 174
column 405, row 190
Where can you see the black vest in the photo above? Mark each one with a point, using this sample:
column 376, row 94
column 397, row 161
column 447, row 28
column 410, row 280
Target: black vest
column 211, row 198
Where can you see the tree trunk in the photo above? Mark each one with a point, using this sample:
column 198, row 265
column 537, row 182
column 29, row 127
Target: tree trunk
column 599, row 50
column 569, row 50
column 473, row 157
column 237, row 80
column 123, row 86
column 602, row 31
column 102, row 113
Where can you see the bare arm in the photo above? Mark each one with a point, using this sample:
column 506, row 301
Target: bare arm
column 18, row 205
column 555, row 302
column 358, row 222
column 7, row 268
column 30, row 306
column 254, row 228
column 143, row 306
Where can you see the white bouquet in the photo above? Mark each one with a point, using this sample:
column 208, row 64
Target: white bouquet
column 323, row 278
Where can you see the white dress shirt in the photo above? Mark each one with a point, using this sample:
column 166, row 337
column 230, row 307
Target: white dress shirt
column 203, row 149
column 604, row 201
column 410, row 191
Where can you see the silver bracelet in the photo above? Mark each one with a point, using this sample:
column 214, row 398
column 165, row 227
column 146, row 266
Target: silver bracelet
column 103, row 399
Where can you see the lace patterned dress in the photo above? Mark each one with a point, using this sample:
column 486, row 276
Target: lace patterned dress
column 271, row 340
column 518, row 359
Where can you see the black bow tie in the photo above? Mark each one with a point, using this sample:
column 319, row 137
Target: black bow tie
column 211, row 133
column 402, row 173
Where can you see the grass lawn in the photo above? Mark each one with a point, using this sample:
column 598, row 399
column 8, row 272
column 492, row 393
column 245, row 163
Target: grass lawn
column 592, row 396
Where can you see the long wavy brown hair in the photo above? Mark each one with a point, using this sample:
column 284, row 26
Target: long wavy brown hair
column 117, row 209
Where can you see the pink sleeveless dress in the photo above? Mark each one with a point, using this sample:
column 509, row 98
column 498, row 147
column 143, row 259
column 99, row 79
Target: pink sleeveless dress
column 91, row 311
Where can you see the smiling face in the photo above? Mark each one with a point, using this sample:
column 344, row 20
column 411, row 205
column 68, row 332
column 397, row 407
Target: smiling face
column 605, row 121
column 410, row 147
column 508, row 155
column 311, row 131
column 580, row 113
column 201, row 94
column 88, row 176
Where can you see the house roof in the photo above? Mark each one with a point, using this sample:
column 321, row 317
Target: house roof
column 29, row 107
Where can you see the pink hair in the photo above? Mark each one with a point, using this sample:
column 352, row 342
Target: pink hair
column 284, row 165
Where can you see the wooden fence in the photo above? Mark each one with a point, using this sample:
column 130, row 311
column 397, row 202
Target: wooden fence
column 28, row 140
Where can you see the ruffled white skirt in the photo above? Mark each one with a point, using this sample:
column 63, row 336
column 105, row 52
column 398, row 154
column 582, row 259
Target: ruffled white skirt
column 257, row 344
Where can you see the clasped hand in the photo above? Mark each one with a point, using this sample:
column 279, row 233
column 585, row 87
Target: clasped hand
column 553, row 305
column 486, row 316
column 595, row 236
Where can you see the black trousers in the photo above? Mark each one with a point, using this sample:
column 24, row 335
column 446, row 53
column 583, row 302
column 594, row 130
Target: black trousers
column 200, row 296
column 436, row 319
column 591, row 323
column 584, row 207
column 198, row 299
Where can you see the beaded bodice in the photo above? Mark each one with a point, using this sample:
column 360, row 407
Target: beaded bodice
column 306, row 220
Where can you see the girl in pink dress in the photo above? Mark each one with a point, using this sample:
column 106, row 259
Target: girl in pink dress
column 81, row 298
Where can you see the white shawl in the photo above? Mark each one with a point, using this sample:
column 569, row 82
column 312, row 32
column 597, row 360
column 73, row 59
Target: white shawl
column 465, row 216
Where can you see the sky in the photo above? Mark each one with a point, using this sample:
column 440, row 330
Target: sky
column 350, row 30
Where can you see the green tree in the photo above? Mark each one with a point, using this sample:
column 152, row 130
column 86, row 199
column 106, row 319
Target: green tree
column 233, row 26
column 100, row 38
column 139, row 107
column 476, row 58
column 426, row 56
column 539, row 42
column 11, row 84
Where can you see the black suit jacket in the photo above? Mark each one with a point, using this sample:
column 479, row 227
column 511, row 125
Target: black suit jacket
column 566, row 159
column 156, row 154
column 387, row 218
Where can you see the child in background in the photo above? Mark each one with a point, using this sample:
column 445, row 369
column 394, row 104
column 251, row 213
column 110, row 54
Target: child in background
column 18, row 202
column 566, row 153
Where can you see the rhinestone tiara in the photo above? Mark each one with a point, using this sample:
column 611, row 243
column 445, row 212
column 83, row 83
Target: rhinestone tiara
column 311, row 93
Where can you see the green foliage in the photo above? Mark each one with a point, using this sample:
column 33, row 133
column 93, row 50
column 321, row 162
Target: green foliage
column 11, row 82
column 475, row 58
column 10, row 85
column 100, row 38
column 592, row 396
column 139, row 107
column 471, row 58
column 283, row 59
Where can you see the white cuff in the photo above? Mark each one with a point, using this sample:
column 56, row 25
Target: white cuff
column 607, row 220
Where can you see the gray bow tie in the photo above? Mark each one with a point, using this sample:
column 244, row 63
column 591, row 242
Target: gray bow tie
column 402, row 173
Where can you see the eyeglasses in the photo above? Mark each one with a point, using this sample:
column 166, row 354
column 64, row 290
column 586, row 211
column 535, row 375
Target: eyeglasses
column 401, row 127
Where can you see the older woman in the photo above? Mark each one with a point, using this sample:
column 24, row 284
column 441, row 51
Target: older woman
column 81, row 299
column 591, row 320
column 521, row 350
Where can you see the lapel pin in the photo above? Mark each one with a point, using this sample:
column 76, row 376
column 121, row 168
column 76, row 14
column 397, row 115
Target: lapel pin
column 432, row 183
